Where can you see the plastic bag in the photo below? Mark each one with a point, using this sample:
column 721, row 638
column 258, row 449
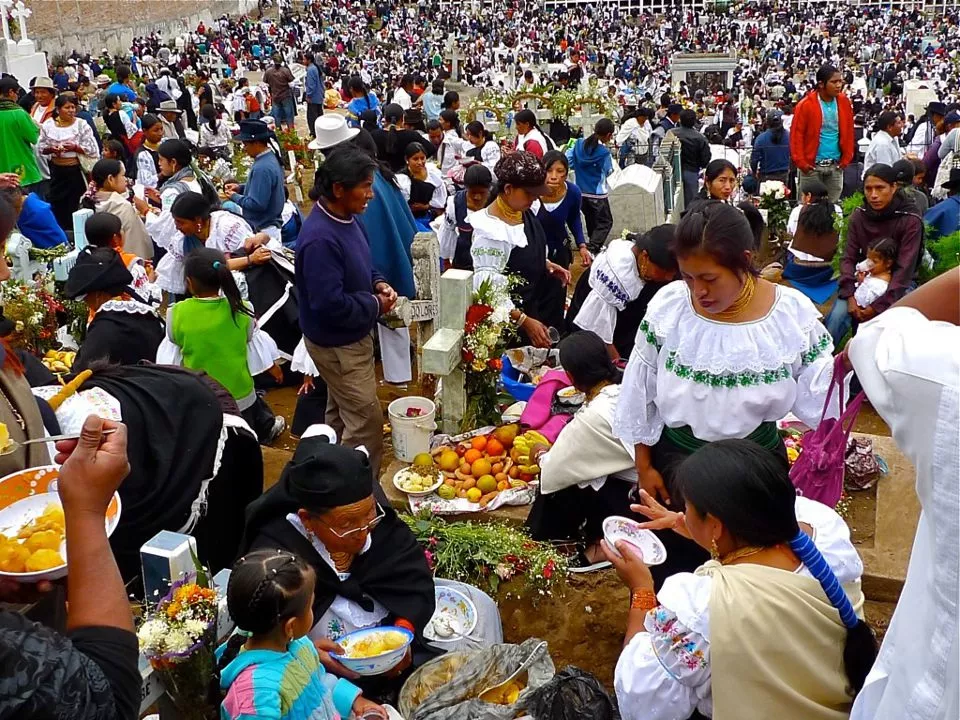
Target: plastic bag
column 572, row 695
column 448, row 687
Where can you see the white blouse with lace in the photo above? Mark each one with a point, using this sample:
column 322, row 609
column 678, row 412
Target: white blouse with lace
column 53, row 134
column 724, row 379
column 493, row 241
column 664, row 673
column 439, row 199
column 343, row 616
column 614, row 282
column 163, row 231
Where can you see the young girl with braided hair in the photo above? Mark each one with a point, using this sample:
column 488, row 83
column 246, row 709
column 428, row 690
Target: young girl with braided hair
column 271, row 669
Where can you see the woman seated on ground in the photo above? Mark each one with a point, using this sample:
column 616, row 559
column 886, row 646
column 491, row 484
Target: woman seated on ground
column 194, row 462
column 771, row 626
column 111, row 196
column 370, row 569
column 508, row 239
column 422, row 186
column 808, row 264
column 611, row 299
column 588, row 473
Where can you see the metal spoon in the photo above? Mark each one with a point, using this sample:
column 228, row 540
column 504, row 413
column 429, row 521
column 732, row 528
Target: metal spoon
column 12, row 445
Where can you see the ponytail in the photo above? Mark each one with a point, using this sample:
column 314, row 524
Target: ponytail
column 860, row 649
column 207, row 268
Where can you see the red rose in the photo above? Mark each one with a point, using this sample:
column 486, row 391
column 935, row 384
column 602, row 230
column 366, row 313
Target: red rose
column 476, row 314
column 467, row 356
column 495, row 363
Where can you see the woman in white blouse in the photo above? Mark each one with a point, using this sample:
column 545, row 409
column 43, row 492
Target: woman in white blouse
column 215, row 138
column 721, row 354
column 65, row 140
column 770, row 627
column 479, row 146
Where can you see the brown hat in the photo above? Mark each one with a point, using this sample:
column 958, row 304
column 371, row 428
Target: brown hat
column 522, row 169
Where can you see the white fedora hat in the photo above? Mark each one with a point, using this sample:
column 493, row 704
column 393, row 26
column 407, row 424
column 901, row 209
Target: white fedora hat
column 331, row 129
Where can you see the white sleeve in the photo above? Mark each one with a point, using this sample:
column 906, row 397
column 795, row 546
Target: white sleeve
column 403, row 182
column 44, row 140
column 598, row 317
column 445, row 226
column 160, row 225
column 637, row 420
column 86, row 141
column 302, row 362
column 262, row 350
column 146, row 170
column 490, row 155
column 664, row 673
column 813, row 373
column 439, row 199
column 169, row 353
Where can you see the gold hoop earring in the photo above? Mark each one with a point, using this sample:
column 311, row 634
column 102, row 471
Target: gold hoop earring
column 714, row 550
column 643, row 270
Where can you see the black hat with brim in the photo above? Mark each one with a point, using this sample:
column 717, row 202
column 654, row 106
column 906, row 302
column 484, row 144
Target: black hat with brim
column 97, row 269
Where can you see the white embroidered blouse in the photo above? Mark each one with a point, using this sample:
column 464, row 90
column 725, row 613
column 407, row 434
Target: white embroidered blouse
column 664, row 673
column 493, row 241
column 614, row 282
column 723, row 379
column 52, row 134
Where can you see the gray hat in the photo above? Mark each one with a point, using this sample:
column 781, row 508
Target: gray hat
column 44, row 83
column 169, row 106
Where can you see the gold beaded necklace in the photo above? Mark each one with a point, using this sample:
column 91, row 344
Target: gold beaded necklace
column 740, row 554
column 743, row 300
column 508, row 213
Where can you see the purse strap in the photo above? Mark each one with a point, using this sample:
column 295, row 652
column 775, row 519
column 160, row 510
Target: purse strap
column 839, row 373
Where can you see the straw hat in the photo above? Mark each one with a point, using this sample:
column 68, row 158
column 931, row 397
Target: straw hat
column 331, row 129
column 44, row 83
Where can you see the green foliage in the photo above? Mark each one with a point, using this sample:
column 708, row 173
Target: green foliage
column 848, row 205
column 945, row 251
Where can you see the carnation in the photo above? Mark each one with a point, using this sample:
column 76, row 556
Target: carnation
column 151, row 633
column 195, row 628
column 178, row 641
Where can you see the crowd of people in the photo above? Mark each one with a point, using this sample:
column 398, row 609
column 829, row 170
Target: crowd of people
column 689, row 340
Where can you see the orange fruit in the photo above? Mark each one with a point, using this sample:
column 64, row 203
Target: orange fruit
column 448, row 460
column 487, row 484
column 480, row 467
column 503, row 485
column 471, row 456
column 479, row 443
column 494, row 447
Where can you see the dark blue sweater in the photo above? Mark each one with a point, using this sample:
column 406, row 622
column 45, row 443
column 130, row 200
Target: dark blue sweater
column 335, row 278
column 262, row 197
column 769, row 157
column 566, row 215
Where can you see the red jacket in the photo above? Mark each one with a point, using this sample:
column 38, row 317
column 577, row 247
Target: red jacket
column 805, row 131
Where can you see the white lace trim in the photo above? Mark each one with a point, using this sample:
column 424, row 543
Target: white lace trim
column 779, row 338
column 486, row 226
column 133, row 307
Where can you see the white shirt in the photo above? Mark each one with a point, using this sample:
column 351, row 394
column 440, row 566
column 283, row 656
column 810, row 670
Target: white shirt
column 664, row 671
column 402, row 98
column 869, row 290
column 614, row 282
column 883, row 149
column 724, row 379
column 910, row 369
column 493, row 241
column 52, row 134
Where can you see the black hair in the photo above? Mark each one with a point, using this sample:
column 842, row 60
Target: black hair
column 720, row 230
column 109, row 100
column 476, row 129
column 104, row 168
column 206, row 268
column 178, row 150
column 436, row 87
column 886, row 119
column 450, row 99
column 266, row 588
column 114, row 146
column 554, row 156
column 412, row 149
column 716, row 167
column 657, row 242
column 757, row 223
column 603, row 128
column 148, row 121
column 816, row 189
column 688, row 118
column 355, row 84
column 817, row 218
column 477, row 176
column 9, row 84
column 453, row 120
column 101, row 227
column 209, row 113
column 825, row 73
column 123, row 73
column 528, row 117
column 713, row 136
column 919, row 167
column 65, row 98
column 433, row 125
column 584, row 356
column 887, row 248
column 346, row 165
column 190, row 206
column 883, row 171
column 904, row 170
column 748, row 489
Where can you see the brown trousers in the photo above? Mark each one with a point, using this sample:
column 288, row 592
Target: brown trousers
column 353, row 409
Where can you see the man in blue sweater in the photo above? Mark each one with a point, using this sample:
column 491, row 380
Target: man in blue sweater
column 770, row 159
column 314, row 90
column 261, row 198
column 341, row 297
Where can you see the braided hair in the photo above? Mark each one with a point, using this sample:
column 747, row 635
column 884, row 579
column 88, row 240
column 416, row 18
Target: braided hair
column 266, row 588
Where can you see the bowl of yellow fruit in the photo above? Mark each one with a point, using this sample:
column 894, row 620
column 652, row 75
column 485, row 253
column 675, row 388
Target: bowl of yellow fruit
column 32, row 527
column 373, row 651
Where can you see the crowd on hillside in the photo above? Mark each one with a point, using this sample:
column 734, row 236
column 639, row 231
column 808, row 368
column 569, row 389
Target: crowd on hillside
column 688, row 341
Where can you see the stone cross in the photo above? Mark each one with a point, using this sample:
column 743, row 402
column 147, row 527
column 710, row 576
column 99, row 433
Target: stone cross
column 453, row 55
column 587, row 118
column 5, row 6
column 22, row 12
column 441, row 353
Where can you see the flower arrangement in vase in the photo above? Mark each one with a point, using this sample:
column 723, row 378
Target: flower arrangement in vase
column 486, row 331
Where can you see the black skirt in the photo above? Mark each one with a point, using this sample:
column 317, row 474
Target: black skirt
column 67, row 186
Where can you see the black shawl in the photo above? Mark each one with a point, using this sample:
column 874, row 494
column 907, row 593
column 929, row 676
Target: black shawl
column 269, row 285
column 123, row 338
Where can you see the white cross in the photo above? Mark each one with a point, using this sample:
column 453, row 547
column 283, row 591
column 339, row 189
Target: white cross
column 5, row 6
column 586, row 119
column 22, row 12
column 441, row 353
column 453, row 55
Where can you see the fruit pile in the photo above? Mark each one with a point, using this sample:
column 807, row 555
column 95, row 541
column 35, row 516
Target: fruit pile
column 482, row 467
column 58, row 361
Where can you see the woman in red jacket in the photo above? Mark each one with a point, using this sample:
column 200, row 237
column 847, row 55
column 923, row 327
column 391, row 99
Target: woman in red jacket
column 886, row 212
column 821, row 136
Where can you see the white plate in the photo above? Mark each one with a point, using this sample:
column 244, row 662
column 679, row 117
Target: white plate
column 403, row 474
column 616, row 528
column 456, row 609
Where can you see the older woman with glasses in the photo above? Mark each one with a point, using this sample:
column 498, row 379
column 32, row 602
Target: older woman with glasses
column 370, row 569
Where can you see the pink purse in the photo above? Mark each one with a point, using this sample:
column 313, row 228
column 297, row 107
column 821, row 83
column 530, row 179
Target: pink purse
column 818, row 472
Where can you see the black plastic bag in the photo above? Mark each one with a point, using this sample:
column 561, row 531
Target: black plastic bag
column 572, row 694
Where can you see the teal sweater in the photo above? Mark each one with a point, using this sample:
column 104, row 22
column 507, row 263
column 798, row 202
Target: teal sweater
column 215, row 341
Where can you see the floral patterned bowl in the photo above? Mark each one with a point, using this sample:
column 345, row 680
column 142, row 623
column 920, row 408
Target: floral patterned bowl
column 454, row 618
column 616, row 528
column 376, row 664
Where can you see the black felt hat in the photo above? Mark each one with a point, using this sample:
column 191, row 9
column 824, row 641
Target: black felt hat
column 97, row 269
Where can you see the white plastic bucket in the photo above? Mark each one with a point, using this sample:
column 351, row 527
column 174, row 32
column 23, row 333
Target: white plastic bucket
column 411, row 435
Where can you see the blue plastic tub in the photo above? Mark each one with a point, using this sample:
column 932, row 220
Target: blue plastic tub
column 510, row 376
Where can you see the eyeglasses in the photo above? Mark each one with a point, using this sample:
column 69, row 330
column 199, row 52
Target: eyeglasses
column 364, row 528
